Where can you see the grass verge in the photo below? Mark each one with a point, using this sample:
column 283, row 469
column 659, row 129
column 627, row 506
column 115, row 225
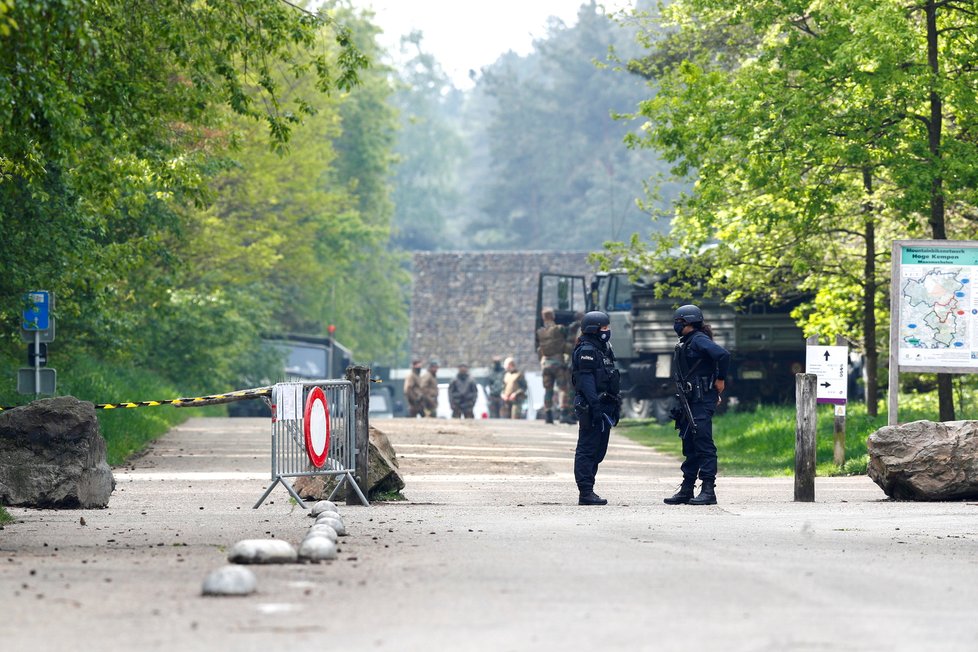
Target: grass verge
column 762, row 442
column 127, row 431
column 5, row 516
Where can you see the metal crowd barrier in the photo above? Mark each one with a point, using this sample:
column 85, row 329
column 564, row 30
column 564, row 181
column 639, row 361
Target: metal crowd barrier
column 313, row 434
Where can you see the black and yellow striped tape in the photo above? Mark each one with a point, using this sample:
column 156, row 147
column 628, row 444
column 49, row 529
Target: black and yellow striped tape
column 199, row 401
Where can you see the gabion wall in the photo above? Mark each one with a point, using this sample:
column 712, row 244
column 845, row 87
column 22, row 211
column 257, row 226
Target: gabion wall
column 467, row 306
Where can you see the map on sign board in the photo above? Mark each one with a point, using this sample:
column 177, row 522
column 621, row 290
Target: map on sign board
column 937, row 307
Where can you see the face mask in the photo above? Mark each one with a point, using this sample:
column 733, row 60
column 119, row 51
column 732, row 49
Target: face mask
column 604, row 336
column 678, row 327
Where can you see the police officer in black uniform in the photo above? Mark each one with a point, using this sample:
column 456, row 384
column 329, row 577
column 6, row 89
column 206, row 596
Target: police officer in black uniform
column 700, row 365
column 596, row 401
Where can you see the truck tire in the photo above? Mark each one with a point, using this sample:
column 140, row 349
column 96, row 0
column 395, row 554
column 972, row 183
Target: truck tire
column 636, row 408
column 662, row 410
column 648, row 408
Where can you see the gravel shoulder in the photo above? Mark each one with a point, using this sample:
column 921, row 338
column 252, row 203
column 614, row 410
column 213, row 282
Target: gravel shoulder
column 489, row 552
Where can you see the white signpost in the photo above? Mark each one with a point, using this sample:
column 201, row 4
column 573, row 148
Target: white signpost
column 831, row 365
column 933, row 310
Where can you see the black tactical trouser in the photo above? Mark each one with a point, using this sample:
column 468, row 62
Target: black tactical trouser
column 700, row 451
column 592, row 445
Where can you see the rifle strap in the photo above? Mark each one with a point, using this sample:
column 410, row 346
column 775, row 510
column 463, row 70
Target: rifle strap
column 681, row 349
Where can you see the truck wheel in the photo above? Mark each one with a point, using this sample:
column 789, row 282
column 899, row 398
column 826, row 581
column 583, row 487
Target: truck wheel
column 636, row 408
column 662, row 410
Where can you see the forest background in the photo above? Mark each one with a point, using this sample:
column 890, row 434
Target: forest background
column 188, row 176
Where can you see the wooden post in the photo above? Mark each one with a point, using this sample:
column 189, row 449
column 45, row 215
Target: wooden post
column 839, row 429
column 805, row 389
column 360, row 377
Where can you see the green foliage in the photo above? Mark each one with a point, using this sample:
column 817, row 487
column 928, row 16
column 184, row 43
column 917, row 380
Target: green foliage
column 810, row 135
column 5, row 516
column 430, row 153
column 531, row 157
column 296, row 243
column 153, row 176
column 554, row 145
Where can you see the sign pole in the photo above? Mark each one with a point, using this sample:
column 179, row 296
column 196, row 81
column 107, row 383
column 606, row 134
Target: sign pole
column 37, row 363
column 840, row 421
column 893, row 373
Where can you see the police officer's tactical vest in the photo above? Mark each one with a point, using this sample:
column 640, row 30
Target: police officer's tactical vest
column 695, row 379
column 588, row 357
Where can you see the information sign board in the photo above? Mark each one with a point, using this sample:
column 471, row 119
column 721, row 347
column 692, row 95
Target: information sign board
column 938, row 307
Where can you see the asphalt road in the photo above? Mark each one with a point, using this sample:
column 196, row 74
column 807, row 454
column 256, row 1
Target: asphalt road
column 490, row 552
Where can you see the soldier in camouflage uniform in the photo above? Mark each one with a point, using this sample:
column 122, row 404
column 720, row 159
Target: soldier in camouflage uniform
column 412, row 390
column 429, row 389
column 462, row 393
column 551, row 345
column 573, row 330
column 493, row 387
column 514, row 391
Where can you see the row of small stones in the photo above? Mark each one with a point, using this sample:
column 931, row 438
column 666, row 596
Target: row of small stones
column 319, row 545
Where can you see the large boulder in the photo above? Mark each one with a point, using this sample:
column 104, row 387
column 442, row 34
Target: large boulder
column 52, row 454
column 382, row 472
column 926, row 460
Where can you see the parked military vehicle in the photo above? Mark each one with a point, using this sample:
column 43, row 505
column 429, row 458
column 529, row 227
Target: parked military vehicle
column 304, row 357
column 767, row 348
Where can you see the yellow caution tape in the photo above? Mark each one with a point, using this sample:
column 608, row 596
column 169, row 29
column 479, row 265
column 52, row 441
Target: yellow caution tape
column 199, row 401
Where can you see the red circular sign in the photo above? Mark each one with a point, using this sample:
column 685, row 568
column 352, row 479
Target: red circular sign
column 315, row 424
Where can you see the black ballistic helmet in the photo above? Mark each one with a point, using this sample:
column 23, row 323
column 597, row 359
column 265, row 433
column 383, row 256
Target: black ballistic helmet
column 688, row 315
column 593, row 321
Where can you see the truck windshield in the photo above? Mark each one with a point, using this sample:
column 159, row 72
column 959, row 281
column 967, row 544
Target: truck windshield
column 305, row 361
column 615, row 293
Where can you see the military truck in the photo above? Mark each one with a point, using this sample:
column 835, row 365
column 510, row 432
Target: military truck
column 310, row 357
column 767, row 348
column 304, row 357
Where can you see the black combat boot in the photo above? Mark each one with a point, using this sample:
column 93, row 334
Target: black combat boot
column 707, row 495
column 588, row 497
column 550, row 416
column 684, row 495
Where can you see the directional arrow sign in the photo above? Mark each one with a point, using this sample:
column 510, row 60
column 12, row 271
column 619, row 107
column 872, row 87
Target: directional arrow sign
column 831, row 365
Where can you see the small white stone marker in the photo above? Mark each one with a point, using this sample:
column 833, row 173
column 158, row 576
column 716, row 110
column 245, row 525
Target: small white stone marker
column 322, row 530
column 317, row 548
column 333, row 522
column 262, row 551
column 230, row 580
column 323, row 506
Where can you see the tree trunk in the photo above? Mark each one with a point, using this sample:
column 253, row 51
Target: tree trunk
column 945, row 397
column 869, row 299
